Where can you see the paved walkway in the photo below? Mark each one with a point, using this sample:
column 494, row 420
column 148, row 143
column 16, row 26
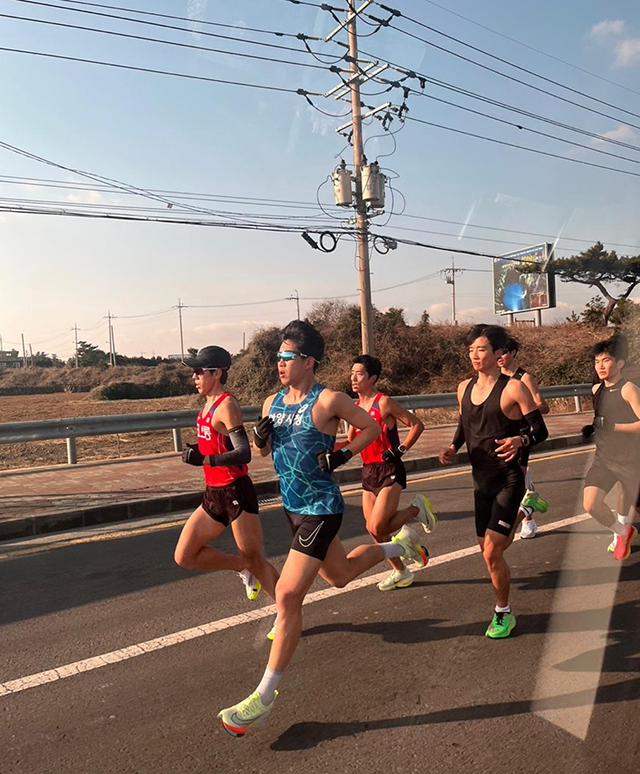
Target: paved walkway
column 58, row 489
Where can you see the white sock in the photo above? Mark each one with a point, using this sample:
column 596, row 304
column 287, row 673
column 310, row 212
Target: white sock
column 268, row 685
column 624, row 518
column 506, row 609
column 392, row 550
column 619, row 529
column 527, row 510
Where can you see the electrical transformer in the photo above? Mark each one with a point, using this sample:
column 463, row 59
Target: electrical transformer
column 373, row 186
column 343, row 196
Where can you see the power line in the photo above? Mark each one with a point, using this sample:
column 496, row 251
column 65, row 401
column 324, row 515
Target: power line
column 523, row 147
column 510, row 77
column 155, row 71
column 233, row 38
column 240, row 27
column 146, row 39
column 532, row 48
column 505, row 61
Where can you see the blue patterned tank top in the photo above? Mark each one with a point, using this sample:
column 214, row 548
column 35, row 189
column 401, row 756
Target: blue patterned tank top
column 295, row 443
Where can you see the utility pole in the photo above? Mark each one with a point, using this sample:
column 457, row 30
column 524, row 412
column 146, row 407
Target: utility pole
column 449, row 276
column 75, row 328
column 295, row 298
column 244, row 341
column 111, row 344
column 180, row 307
column 362, row 219
column 31, row 354
column 24, row 352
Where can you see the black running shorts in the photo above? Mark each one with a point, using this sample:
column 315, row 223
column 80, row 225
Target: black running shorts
column 312, row 535
column 378, row 475
column 604, row 475
column 498, row 493
column 226, row 503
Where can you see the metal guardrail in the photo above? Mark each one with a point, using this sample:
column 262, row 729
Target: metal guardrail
column 70, row 429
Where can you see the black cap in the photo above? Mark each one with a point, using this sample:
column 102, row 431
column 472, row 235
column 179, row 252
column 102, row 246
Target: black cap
column 209, row 357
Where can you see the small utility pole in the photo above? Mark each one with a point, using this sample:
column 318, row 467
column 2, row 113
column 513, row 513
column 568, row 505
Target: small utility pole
column 449, row 276
column 111, row 343
column 244, row 341
column 24, row 352
column 75, row 328
column 362, row 219
column 295, row 298
column 31, row 354
column 180, row 308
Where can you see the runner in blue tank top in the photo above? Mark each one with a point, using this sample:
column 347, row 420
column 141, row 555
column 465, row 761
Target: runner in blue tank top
column 298, row 427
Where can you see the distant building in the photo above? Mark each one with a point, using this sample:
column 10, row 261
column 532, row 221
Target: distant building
column 174, row 357
column 9, row 358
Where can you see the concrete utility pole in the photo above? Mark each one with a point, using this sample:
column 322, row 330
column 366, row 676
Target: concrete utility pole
column 362, row 218
column 75, row 328
column 295, row 298
column 180, row 307
column 31, row 354
column 449, row 276
column 111, row 343
column 24, row 352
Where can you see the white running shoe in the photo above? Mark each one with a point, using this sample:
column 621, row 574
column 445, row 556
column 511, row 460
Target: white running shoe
column 252, row 585
column 272, row 631
column 528, row 529
column 397, row 579
column 426, row 515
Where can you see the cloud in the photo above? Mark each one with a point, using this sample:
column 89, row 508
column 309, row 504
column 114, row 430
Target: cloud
column 84, row 197
column 438, row 310
column 604, row 28
column 626, row 49
column 473, row 312
column 627, row 52
column 621, row 132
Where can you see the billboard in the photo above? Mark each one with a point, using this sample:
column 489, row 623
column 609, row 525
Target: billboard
column 522, row 281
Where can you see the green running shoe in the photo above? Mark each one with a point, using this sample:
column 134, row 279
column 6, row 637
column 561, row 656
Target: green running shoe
column 501, row 625
column 426, row 515
column 533, row 500
column 272, row 632
column 398, row 579
column 252, row 586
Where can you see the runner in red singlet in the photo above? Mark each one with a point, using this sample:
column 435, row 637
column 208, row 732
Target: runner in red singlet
column 229, row 498
column 383, row 472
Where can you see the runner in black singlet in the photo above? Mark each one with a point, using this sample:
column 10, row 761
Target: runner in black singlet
column 531, row 501
column 492, row 409
column 616, row 424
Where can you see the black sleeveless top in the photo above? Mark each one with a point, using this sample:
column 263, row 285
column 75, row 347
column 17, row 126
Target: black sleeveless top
column 609, row 403
column 520, row 372
column 485, row 423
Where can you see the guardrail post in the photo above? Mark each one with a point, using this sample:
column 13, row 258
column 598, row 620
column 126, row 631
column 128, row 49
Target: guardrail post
column 577, row 400
column 177, row 439
column 72, row 456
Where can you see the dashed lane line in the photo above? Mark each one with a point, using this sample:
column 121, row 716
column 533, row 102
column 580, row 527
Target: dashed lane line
column 159, row 643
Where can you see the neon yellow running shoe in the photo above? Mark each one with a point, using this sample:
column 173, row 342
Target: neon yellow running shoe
column 272, row 632
column 397, row 579
column 237, row 720
column 612, row 545
column 413, row 551
column 533, row 500
column 502, row 624
column 252, row 585
column 426, row 515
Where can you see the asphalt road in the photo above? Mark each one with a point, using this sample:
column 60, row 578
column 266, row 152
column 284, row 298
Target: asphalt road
column 403, row 681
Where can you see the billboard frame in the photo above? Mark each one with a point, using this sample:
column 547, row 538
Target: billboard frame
column 547, row 248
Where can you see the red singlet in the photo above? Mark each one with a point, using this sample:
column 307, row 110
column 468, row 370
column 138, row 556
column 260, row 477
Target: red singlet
column 210, row 441
column 388, row 438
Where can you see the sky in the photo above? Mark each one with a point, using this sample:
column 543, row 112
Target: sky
column 163, row 133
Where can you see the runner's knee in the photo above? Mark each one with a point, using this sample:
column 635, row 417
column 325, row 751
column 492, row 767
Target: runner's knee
column 492, row 554
column 288, row 600
column 184, row 559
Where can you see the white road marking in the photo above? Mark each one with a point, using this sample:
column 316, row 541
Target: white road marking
column 132, row 651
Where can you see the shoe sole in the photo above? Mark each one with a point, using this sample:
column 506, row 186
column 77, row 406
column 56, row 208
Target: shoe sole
column 528, row 537
column 431, row 517
column 403, row 585
column 500, row 636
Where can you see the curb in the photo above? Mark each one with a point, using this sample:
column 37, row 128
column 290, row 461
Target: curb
column 45, row 523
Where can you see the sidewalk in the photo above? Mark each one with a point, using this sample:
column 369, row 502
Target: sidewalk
column 41, row 500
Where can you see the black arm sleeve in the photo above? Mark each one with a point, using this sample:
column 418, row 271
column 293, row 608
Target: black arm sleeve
column 458, row 439
column 537, row 429
column 239, row 455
